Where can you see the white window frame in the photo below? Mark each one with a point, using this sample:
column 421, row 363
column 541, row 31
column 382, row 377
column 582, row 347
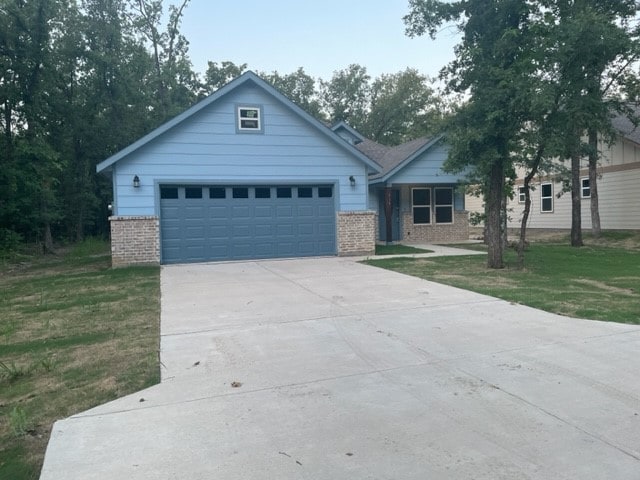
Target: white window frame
column 522, row 197
column 436, row 205
column 429, row 206
column 243, row 109
column 543, row 198
column 583, row 188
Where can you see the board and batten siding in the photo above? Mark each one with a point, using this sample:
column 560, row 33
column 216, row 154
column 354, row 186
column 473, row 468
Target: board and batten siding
column 206, row 149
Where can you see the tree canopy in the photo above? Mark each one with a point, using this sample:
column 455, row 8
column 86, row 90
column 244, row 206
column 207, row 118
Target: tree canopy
column 537, row 75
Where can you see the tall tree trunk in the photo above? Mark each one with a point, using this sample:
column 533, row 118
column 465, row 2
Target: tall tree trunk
column 495, row 194
column 576, row 210
column 504, row 218
column 593, row 182
column 527, row 204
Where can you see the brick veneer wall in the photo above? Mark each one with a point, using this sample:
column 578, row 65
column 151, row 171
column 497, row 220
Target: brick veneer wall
column 356, row 233
column 455, row 232
column 135, row 240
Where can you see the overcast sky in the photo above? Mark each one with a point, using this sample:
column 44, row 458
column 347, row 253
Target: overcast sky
column 321, row 36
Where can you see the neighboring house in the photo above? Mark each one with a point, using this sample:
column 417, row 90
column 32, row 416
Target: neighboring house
column 618, row 192
column 246, row 174
column 415, row 200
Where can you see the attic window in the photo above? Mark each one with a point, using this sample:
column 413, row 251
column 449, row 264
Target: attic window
column 249, row 119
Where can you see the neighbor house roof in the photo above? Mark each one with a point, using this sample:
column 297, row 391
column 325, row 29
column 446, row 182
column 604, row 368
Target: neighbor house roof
column 247, row 77
column 623, row 124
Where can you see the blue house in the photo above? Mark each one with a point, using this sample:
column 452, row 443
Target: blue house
column 246, row 173
column 414, row 199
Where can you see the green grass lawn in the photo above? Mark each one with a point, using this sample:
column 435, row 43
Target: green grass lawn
column 398, row 250
column 74, row 334
column 600, row 281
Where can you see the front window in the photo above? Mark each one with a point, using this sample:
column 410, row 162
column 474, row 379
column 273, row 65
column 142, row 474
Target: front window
column 421, row 205
column 522, row 197
column 546, row 197
column 249, row 119
column 585, row 188
column 444, row 205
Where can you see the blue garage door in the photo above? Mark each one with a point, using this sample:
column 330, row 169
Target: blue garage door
column 208, row 223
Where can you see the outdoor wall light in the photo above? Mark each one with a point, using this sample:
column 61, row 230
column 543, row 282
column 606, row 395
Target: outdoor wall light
column 136, row 181
column 352, row 181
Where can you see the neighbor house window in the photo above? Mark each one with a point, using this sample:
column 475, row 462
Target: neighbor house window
column 444, row 205
column 585, row 188
column 249, row 119
column 522, row 197
column 421, row 205
column 546, row 197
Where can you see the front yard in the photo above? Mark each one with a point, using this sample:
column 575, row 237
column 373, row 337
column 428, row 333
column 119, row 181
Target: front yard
column 600, row 281
column 74, row 334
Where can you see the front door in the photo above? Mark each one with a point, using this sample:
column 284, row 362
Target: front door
column 395, row 217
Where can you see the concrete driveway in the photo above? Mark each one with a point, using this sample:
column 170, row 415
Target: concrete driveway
column 329, row 369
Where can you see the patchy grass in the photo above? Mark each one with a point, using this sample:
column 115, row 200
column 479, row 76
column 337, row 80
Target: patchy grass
column 74, row 334
column 399, row 250
column 598, row 281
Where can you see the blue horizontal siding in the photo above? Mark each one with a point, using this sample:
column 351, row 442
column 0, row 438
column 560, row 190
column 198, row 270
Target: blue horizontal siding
column 205, row 148
column 427, row 169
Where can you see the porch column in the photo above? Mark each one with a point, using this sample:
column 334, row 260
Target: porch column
column 388, row 214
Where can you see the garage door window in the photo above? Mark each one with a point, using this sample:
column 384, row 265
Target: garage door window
column 193, row 192
column 305, row 192
column 168, row 193
column 325, row 192
column 217, row 192
column 283, row 192
column 263, row 192
column 240, row 192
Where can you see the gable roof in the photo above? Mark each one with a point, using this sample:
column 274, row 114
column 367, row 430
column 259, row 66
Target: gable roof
column 245, row 78
column 394, row 159
column 623, row 124
column 356, row 135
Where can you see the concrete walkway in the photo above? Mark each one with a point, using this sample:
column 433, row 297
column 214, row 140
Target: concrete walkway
column 329, row 369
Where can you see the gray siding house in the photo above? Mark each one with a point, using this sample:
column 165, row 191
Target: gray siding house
column 246, row 174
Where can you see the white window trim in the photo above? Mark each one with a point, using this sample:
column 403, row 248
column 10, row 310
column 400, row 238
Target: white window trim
column 435, row 206
column 430, row 206
column 521, row 195
column 582, row 188
column 240, row 118
column 543, row 198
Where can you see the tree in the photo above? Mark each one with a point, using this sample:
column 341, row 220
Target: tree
column 493, row 65
column 592, row 44
column 299, row 88
column 346, row 96
column 403, row 107
column 218, row 76
column 175, row 82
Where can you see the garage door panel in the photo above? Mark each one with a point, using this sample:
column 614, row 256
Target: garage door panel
column 255, row 226
column 264, row 231
column 238, row 212
column 263, row 211
column 284, row 211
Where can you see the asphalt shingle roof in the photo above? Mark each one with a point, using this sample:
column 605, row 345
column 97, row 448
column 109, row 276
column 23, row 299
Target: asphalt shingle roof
column 625, row 126
column 389, row 157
